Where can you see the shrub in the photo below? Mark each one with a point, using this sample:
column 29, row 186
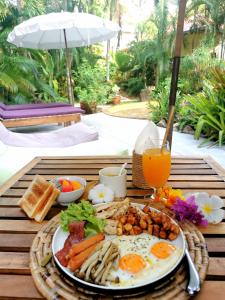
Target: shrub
column 91, row 85
column 134, row 86
column 161, row 97
column 206, row 110
column 123, row 61
column 195, row 68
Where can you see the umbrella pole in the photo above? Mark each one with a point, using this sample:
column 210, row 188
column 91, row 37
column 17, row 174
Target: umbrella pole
column 176, row 62
column 68, row 72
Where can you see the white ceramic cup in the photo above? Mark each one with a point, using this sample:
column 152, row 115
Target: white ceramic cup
column 118, row 183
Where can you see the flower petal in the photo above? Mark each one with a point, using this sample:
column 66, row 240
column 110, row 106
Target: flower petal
column 201, row 195
column 216, row 216
column 217, row 202
column 101, row 193
column 202, row 201
column 97, row 201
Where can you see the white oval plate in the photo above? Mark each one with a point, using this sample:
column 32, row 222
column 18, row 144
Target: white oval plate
column 58, row 243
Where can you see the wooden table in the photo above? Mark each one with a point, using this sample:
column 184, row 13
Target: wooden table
column 17, row 231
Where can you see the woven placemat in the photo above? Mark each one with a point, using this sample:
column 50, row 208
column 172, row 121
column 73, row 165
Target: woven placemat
column 53, row 285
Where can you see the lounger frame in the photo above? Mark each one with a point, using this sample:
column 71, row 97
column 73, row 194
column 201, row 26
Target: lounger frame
column 65, row 119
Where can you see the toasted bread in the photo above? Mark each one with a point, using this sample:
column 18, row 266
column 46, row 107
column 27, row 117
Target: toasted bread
column 38, row 198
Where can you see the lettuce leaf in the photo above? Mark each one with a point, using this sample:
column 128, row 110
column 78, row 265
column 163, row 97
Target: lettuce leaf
column 83, row 211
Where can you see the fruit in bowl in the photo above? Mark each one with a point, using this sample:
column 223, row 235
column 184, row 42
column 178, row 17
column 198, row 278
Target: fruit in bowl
column 67, row 185
column 71, row 188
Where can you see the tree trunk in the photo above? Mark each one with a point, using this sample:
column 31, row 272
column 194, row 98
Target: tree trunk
column 69, row 77
column 222, row 42
column 19, row 4
column 65, row 5
column 120, row 24
column 107, row 61
column 68, row 55
column 108, row 43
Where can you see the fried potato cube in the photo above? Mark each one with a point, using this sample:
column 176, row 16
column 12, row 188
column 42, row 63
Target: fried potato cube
column 162, row 234
column 137, row 220
column 172, row 236
column 167, row 225
column 145, row 218
column 156, row 230
column 119, row 225
column 175, row 229
column 119, row 231
column 146, row 209
column 137, row 230
column 132, row 210
column 149, row 220
column 123, row 219
column 156, row 217
column 150, row 229
column 131, row 219
column 127, row 227
column 132, row 231
column 143, row 224
column 166, row 222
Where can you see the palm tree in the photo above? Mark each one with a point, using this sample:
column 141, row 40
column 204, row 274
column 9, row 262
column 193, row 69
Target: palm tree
column 165, row 26
column 20, row 78
column 112, row 4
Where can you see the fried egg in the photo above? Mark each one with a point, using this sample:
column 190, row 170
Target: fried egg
column 143, row 258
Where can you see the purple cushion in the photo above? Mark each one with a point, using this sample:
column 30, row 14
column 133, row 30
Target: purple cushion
column 2, row 105
column 39, row 112
column 33, row 106
column 1, row 113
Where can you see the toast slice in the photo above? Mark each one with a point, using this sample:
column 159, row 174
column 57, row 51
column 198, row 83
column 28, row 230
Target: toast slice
column 50, row 197
column 38, row 198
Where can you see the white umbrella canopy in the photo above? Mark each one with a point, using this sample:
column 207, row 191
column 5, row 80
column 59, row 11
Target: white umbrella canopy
column 47, row 31
column 62, row 30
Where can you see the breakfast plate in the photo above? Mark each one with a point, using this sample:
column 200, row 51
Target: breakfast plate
column 150, row 249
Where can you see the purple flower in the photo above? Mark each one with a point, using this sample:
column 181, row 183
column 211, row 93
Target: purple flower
column 188, row 210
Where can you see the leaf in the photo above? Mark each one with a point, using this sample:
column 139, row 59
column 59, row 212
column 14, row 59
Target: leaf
column 221, row 133
column 213, row 119
column 7, row 82
column 199, row 127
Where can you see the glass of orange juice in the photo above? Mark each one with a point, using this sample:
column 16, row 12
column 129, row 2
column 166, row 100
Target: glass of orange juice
column 156, row 162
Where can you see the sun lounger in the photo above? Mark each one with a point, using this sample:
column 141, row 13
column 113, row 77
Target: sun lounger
column 38, row 116
column 64, row 137
column 32, row 105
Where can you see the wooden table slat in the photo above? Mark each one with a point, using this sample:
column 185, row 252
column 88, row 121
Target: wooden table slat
column 14, row 263
column 16, row 241
column 18, row 287
column 172, row 178
column 24, row 226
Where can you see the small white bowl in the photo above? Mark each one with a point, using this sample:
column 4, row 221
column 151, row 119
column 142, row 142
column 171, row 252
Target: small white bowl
column 65, row 198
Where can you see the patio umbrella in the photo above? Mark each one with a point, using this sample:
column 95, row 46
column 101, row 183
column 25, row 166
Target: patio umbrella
column 62, row 30
column 176, row 61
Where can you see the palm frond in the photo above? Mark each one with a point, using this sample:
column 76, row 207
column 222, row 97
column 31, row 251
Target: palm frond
column 8, row 83
column 25, row 85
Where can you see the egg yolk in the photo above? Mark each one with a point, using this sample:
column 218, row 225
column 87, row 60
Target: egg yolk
column 162, row 250
column 132, row 263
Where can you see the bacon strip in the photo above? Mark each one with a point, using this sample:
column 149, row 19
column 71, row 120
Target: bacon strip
column 76, row 235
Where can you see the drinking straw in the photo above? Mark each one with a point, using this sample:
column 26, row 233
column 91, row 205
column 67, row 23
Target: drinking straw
column 122, row 168
column 168, row 126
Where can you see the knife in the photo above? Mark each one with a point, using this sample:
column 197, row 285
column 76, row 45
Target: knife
column 194, row 280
